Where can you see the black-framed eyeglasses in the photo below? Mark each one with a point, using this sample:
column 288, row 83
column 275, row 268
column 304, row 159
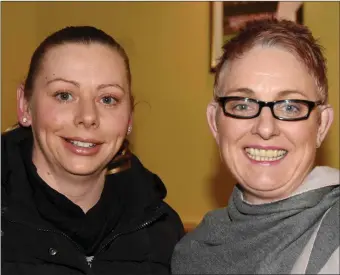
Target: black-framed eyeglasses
column 246, row 108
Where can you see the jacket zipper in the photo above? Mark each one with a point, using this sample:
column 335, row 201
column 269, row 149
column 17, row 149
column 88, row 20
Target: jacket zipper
column 89, row 259
column 141, row 226
column 52, row 231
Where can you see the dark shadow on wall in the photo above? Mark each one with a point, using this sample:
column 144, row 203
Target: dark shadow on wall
column 321, row 157
column 221, row 183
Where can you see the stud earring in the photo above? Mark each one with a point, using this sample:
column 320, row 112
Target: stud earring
column 24, row 119
column 129, row 130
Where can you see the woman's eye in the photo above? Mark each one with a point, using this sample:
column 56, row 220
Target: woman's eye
column 63, row 96
column 241, row 107
column 291, row 108
column 108, row 100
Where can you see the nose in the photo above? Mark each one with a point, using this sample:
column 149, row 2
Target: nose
column 265, row 124
column 86, row 114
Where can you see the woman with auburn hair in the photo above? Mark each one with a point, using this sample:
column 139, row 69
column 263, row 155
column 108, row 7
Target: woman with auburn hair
column 75, row 200
column 269, row 115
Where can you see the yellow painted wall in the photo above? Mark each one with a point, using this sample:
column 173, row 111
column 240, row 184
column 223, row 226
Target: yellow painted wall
column 168, row 44
column 323, row 19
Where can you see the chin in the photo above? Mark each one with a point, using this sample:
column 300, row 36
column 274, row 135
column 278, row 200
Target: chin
column 82, row 172
column 82, row 169
column 263, row 186
column 268, row 188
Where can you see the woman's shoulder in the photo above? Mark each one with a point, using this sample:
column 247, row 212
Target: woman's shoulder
column 171, row 223
column 157, row 191
column 146, row 188
column 11, row 139
column 321, row 253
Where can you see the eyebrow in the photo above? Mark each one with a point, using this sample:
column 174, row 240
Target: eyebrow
column 246, row 91
column 63, row 80
column 99, row 87
column 290, row 92
column 112, row 85
column 250, row 92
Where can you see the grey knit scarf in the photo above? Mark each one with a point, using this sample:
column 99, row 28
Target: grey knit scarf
column 263, row 239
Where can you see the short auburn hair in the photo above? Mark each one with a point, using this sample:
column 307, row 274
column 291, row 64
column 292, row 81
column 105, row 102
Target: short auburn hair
column 284, row 34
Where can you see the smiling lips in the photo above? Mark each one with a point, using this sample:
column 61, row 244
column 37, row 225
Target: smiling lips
column 82, row 144
column 265, row 155
column 82, row 147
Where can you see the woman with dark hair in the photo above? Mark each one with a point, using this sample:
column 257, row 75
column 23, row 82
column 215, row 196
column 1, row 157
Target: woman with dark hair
column 269, row 114
column 75, row 200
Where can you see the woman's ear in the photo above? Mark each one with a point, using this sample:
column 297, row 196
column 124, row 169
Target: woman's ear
column 326, row 119
column 211, row 117
column 23, row 112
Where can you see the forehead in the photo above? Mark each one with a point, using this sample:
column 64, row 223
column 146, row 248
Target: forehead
column 268, row 71
column 84, row 62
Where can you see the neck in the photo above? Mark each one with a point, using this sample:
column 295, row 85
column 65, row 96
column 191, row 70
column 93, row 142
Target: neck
column 285, row 191
column 82, row 190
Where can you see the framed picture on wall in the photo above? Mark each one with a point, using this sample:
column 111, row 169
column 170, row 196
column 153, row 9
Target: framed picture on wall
column 228, row 17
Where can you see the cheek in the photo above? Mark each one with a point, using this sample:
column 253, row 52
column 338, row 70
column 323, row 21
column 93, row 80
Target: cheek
column 231, row 134
column 302, row 135
column 232, row 130
column 115, row 123
column 50, row 116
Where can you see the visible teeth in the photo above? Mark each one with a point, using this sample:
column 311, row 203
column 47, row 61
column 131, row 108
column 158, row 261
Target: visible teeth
column 82, row 144
column 265, row 155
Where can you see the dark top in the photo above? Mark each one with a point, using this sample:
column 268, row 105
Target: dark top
column 131, row 230
column 86, row 229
